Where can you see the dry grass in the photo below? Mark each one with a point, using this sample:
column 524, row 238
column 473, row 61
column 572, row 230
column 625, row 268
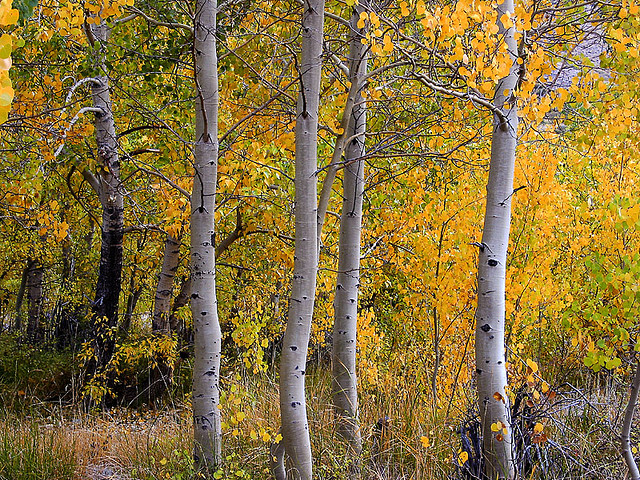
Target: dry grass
column 123, row 444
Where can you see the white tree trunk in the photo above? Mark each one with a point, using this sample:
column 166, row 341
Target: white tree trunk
column 162, row 303
column 295, row 429
column 207, row 335
column 490, row 315
column 345, row 385
column 108, row 187
column 627, row 453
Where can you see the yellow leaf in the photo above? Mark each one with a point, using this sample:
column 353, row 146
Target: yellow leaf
column 362, row 20
column 163, row 461
column 532, row 365
column 424, row 441
column 463, row 457
column 506, row 21
column 538, row 428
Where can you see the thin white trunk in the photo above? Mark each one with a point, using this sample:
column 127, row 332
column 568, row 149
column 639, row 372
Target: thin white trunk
column 293, row 409
column 206, row 327
column 490, row 316
column 162, row 303
column 345, row 385
column 334, row 165
column 627, row 453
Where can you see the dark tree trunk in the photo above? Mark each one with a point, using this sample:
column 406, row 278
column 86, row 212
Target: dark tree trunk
column 35, row 327
column 20, row 295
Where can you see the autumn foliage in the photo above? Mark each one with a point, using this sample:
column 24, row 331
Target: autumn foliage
column 573, row 264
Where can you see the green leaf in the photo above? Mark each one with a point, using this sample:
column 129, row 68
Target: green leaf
column 612, row 363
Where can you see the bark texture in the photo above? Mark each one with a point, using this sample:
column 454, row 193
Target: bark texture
column 490, row 315
column 162, row 374
column 35, row 327
column 345, row 385
column 627, row 453
column 207, row 335
column 164, row 289
column 20, row 295
column 108, row 188
column 293, row 409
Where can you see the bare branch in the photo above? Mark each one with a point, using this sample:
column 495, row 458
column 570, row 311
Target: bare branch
column 159, row 23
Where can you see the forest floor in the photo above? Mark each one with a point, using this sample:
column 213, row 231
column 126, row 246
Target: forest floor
column 53, row 443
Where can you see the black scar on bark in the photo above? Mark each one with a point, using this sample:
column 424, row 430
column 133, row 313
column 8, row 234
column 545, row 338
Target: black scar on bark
column 485, row 328
column 478, row 371
column 493, row 263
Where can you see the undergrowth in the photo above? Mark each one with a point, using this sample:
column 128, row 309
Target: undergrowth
column 405, row 434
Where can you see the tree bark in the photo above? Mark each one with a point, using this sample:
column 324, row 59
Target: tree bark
column 20, row 295
column 35, row 328
column 162, row 373
column 345, row 385
column 491, row 371
column 293, row 409
column 207, row 334
column 162, row 303
column 108, row 188
column 627, row 453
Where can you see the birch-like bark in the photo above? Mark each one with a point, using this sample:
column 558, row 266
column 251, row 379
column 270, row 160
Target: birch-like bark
column 162, row 304
column 338, row 150
column 108, row 188
column 345, row 385
column 293, row 409
column 491, row 371
column 162, row 373
column 627, row 453
column 207, row 334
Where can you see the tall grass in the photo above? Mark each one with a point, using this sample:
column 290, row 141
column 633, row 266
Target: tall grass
column 28, row 452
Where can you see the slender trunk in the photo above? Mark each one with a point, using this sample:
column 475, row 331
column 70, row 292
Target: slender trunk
column 162, row 304
column 108, row 188
column 35, row 328
column 491, row 371
column 293, row 409
column 627, row 453
column 20, row 295
column 206, row 327
column 162, row 372
column 345, row 386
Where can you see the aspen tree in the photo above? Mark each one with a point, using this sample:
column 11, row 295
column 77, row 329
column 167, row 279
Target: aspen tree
column 490, row 315
column 107, row 185
column 293, row 409
column 206, row 327
column 345, row 385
